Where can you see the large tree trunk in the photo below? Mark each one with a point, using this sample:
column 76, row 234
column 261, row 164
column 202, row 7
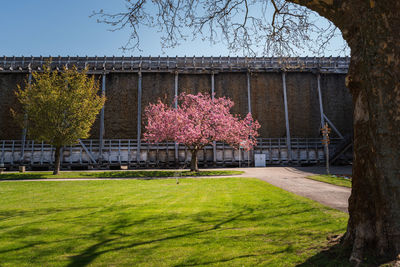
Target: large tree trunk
column 57, row 160
column 194, row 162
column 374, row 80
column 372, row 30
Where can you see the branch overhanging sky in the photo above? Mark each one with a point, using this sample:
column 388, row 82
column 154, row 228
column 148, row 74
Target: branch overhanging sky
column 48, row 27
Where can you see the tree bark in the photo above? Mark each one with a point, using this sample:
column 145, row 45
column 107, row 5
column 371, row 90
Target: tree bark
column 373, row 78
column 194, row 162
column 371, row 28
column 57, row 160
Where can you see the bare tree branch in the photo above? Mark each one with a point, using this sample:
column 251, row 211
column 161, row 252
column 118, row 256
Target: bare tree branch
column 276, row 27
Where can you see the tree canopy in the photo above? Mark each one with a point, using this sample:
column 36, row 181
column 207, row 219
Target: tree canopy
column 59, row 107
column 198, row 121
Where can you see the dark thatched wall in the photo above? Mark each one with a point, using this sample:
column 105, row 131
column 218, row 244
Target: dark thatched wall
column 9, row 128
column 234, row 86
column 120, row 116
column 337, row 102
column 155, row 86
column 303, row 104
column 267, row 103
column 194, row 83
column 266, row 98
column 95, row 131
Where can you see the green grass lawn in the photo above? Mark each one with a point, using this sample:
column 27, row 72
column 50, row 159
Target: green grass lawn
column 331, row 179
column 217, row 222
column 112, row 174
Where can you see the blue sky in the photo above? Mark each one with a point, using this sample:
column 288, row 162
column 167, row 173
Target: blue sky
column 63, row 27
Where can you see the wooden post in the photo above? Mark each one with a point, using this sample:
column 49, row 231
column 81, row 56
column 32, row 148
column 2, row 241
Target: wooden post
column 176, row 106
column 223, row 154
column 288, row 144
column 109, row 151
column 12, row 152
column 167, row 153
column 101, row 134
column 129, row 152
column 279, row 151
column 248, row 92
column 270, row 151
column 316, row 152
column 321, row 109
column 70, row 154
column 24, row 131
column 176, row 90
column 139, row 117
column 327, row 159
column 41, row 153
column 3, row 152
column 212, row 97
column 157, row 156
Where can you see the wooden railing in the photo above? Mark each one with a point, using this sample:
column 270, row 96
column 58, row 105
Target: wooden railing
column 119, row 152
column 181, row 64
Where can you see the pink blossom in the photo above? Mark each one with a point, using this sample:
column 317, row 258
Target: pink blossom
column 198, row 121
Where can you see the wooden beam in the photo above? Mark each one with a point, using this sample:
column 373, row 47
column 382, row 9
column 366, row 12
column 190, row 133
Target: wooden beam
column 248, row 92
column 321, row 109
column 24, row 131
column 139, row 117
column 176, row 90
column 333, row 127
column 3, row 152
column 101, row 134
column 342, row 151
column 288, row 143
column 176, row 106
column 87, row 151
column 212, row 97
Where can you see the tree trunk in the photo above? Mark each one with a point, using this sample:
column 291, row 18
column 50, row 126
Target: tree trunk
column 374, row 205
column 373, row 78
column 371, row 28
column 194, row 162
column 57, row 160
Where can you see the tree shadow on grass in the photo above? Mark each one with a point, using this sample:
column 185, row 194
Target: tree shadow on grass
column 91, row 253
column 217, row 261
column 330, row 257
column 338, row 255
column 25, row 176
column 108, row 238
column 10, row 214
column 115, row 236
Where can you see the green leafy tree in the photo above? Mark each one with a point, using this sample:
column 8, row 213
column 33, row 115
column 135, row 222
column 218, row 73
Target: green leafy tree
column 59, row 107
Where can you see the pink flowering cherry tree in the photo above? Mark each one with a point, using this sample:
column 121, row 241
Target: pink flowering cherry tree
column 197, row 121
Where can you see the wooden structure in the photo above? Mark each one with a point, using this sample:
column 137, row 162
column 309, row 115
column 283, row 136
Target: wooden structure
column 105, row 151
column 116, row 153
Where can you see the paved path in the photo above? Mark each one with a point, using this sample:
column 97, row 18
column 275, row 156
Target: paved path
column 291, row 179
